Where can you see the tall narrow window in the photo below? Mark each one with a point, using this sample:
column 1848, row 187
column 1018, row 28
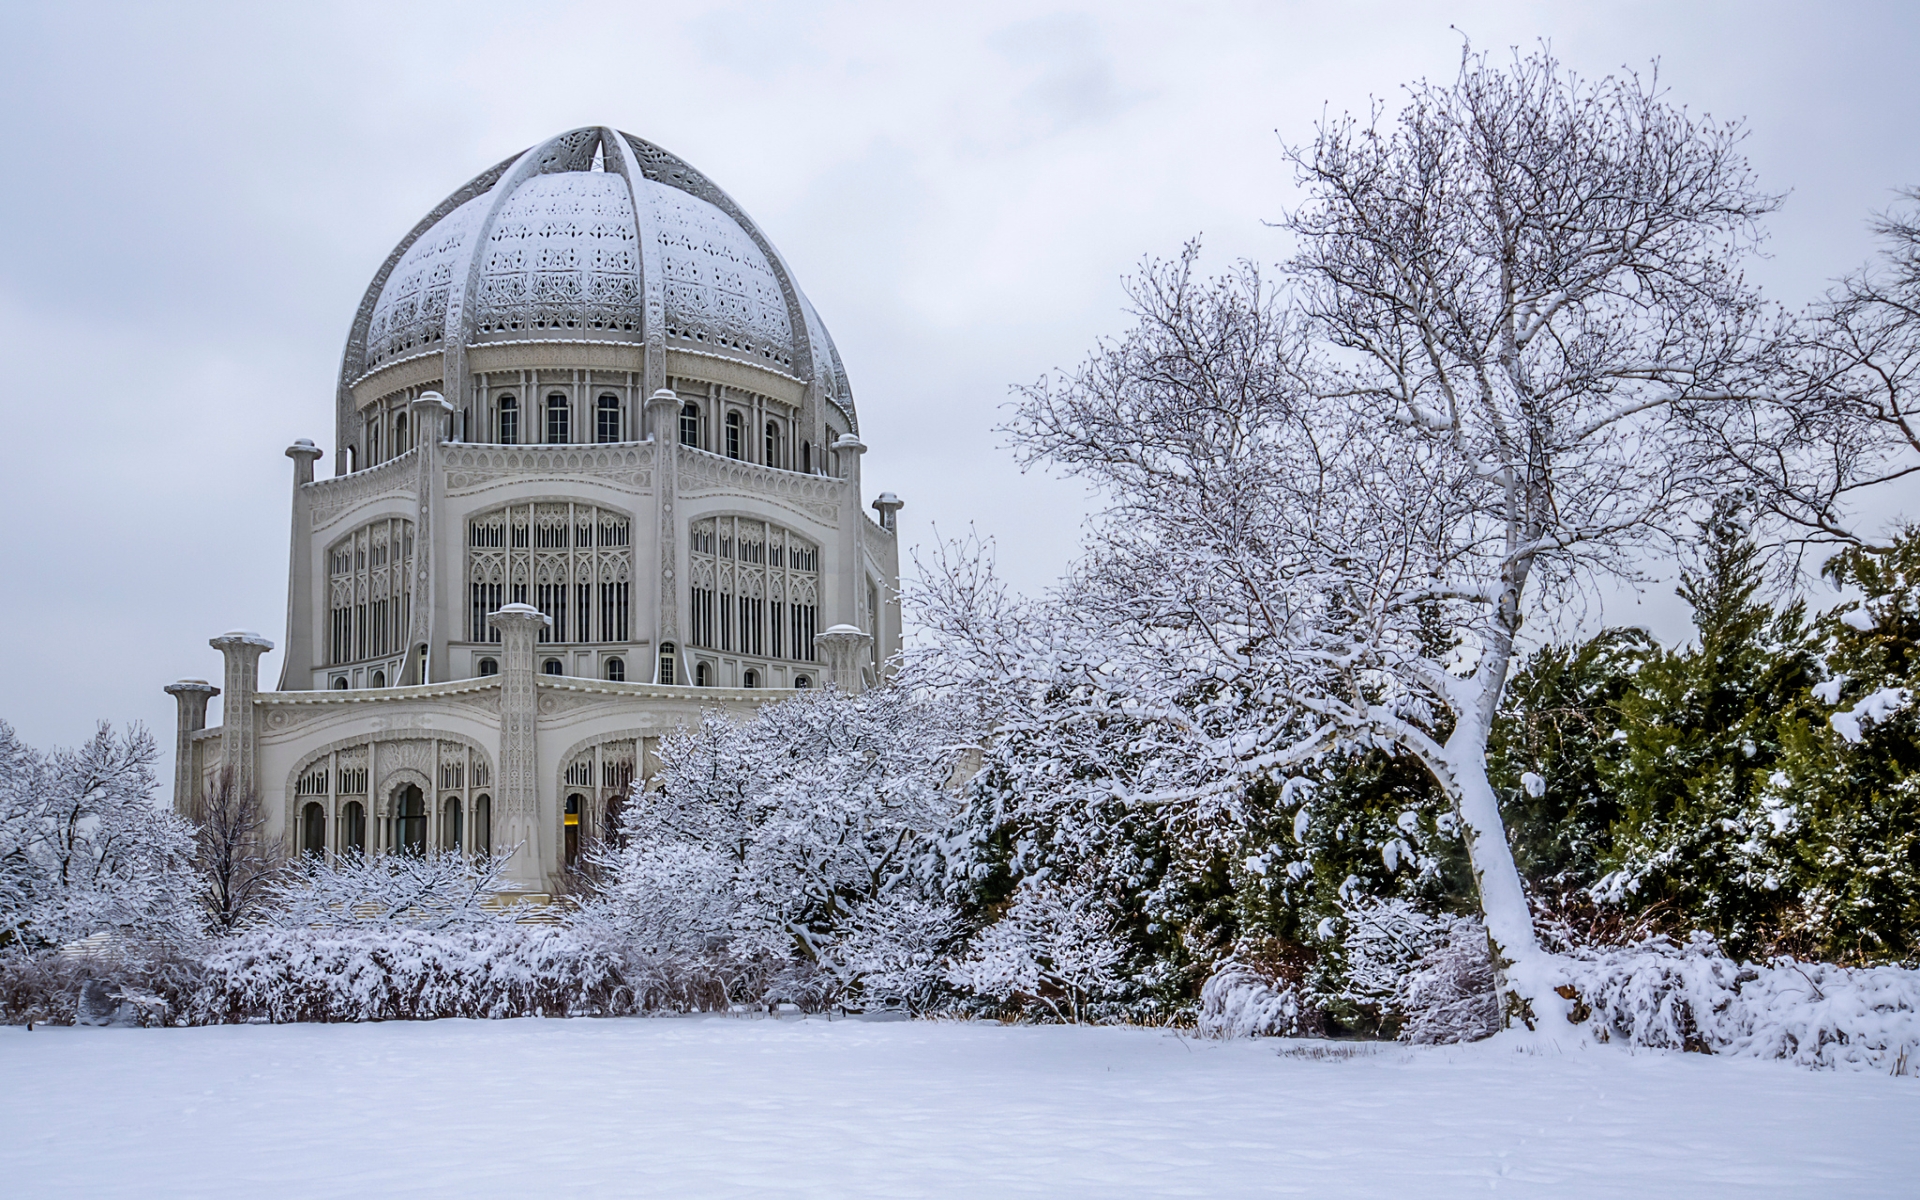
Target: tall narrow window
column 806, row 457
column 450, row 824
column 400, row 434
column 410, row 821
column 616, row 670
column 733, row 435
column 373, row 441
column 509, row 421
column 690, row 425
column 559, row 433
column 773, row 444
column 666, row 662
column 607, row 426
column 483, row 824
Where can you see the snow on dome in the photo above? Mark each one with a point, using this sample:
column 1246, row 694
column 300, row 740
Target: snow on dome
column 571, row 240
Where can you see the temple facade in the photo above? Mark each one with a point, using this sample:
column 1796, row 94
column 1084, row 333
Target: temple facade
column 597, row 470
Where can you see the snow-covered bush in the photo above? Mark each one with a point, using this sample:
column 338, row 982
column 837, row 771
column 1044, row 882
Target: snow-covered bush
column 405, row 974
column 431, row 892
column 1694, row 997
column 1238, row 1000
column 1449, row 994
column 791, row 857
column 1051, row 951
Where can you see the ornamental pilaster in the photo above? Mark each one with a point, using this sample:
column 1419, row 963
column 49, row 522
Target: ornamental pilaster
column 242, row 651
column 517, row 814
column 190, row 696
column 663, row 418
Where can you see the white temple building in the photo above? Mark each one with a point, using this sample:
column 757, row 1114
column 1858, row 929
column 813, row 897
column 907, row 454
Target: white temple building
column 597, row 469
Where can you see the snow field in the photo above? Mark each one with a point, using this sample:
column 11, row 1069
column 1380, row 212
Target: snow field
column 731, row 1107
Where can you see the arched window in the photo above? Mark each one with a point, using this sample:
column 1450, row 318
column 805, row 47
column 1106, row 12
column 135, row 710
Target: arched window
column 373, row 441
column 400, row 434
column 753, row 587
column 750, row 679
column 607, row 422
column 690, row 425
column 339, row 683
column 550, row 667
column 379, row 679
column 666, row 662
column 313, row 830
column 616, row 670
column 370, row 591
column 733, row 435
column 482, row 824
column 773, row 444
column 489, row 666
column 559, row 431
column 409, row 820
column 450, row 824
column 572, row 824
column 353, row 828
column 806, row 457
column 700, row 674
column 802, row 682
column 509, row 421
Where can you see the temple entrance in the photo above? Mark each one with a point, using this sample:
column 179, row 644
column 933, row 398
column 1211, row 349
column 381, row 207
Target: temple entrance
column 313, row 830
column 574, row 804
column 409, row 821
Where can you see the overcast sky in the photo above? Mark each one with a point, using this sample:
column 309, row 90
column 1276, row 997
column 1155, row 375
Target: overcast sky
column 196, row 196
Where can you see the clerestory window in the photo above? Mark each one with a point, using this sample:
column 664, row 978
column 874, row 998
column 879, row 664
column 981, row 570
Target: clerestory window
column 509, row 421
column 733, row 435
column 607, row 420
column 690, row 425
column 559, row 432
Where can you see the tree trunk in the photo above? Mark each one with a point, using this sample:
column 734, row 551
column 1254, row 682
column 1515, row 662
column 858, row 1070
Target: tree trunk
column 1522, row 971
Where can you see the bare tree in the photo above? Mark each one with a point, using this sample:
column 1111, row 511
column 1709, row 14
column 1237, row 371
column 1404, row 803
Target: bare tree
column 1512, row 310
column 238, row 865
column 1843, row 420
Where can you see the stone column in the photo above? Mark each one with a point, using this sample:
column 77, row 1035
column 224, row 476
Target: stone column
column 424, row 663
column 844, row 649
column 192, row 696
column 242, row 651
column 516, row 808
column 663, row 416
column 296, row 667
column 853, row 580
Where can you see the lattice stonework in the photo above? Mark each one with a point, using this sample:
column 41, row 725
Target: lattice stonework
column 755, row 589
column 574, row 562
column 370, row 591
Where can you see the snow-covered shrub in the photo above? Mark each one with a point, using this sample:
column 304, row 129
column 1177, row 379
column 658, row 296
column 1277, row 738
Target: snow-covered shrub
column 440, row 891
column 406, row 974
column 793, row 857
column 1694, row 997
column 1051, row 951
column 1449, row 994
column 1238, row 1000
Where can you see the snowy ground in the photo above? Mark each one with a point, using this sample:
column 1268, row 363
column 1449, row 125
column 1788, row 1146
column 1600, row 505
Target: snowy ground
column 721, row 1107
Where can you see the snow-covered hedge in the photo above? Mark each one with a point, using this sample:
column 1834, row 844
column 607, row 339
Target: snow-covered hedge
column 330, row 975
column 1240, row 1001
column 1694, row 997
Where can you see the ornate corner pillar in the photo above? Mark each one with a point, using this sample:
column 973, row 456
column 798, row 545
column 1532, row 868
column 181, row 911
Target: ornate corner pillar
column 888, row 506
column 518, row 786
column 242, row 651
column 191, row 695
column 844, row 648
column 431, row 412
column 296, row 667
column 852, row 553
column 663, row 420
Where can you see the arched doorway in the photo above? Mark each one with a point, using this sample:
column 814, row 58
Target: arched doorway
column 575, row 803
column 450, row 824
column 313, row 830
column 353, row 828
column 409, row 820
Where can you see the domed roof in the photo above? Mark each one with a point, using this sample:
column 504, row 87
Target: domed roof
column 594, row 235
